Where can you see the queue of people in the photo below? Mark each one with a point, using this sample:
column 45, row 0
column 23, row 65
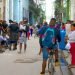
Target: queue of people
column 13, row 33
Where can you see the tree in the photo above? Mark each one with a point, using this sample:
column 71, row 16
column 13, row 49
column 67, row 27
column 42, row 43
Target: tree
column 36, row 10
column 62, row 12
column 58, row 9
column 68, row 9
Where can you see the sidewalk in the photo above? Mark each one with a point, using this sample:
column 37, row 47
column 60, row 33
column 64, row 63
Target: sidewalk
column 69, row 61
column 29, row 63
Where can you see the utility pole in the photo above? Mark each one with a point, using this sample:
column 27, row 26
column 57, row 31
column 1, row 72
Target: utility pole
column 61, row 9
column 68, row 9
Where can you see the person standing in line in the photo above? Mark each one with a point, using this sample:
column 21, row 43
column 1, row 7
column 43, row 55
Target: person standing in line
column 23, row 35
column 13, row 34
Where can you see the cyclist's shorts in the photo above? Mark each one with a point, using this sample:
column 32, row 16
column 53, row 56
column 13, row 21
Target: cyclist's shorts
column 45, row 53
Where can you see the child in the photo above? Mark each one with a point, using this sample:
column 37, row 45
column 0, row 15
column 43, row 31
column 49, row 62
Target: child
column 71, row 38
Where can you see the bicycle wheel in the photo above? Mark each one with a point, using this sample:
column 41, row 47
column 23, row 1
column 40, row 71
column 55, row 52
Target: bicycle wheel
column 51, row 69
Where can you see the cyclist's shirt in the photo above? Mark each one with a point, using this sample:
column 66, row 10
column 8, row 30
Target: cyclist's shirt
column 48, row 39
column 56, row 33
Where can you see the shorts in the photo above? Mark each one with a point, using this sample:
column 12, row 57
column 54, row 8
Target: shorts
column 23, row 40
column 12, row 41
column 11, row 37
column 45, row 53
column 3, row 42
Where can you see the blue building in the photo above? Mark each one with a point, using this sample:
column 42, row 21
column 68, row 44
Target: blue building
column 17, row 10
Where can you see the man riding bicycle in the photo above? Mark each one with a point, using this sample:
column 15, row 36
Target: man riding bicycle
column 47, row 45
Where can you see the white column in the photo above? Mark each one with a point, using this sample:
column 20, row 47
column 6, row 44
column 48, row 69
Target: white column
column 7, row 11
column 11, row 9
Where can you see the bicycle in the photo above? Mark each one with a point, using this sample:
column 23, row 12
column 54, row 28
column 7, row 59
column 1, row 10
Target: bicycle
column 51, row 68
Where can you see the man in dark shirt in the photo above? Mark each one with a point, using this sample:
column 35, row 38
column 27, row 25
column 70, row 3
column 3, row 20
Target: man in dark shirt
column 13, row 34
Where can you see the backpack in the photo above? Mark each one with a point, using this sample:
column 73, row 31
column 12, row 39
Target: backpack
column 48, row 38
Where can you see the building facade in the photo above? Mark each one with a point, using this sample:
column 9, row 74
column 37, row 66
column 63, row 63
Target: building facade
column 72, row 10
column 2, row 9
column 17, row 10
column 36, row 8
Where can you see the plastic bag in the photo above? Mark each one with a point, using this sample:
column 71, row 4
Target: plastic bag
column 68, row 46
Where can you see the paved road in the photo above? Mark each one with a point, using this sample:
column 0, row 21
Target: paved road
column 29, row 63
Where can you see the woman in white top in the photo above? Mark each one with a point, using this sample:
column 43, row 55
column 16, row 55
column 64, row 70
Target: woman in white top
column 71, row 37
column 22, row 36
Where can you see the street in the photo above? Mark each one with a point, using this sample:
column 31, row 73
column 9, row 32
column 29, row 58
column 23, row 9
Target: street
column 22, row 21
column 29, row 63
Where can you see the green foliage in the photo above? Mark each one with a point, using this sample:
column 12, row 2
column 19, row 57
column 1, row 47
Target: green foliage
column 59, row 8
column 37, row 11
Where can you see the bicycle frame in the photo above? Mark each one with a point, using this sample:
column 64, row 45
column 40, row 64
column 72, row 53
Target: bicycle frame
column 51, row 68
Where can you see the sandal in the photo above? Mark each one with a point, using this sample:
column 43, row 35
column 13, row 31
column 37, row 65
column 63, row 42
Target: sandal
column 42, row 73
